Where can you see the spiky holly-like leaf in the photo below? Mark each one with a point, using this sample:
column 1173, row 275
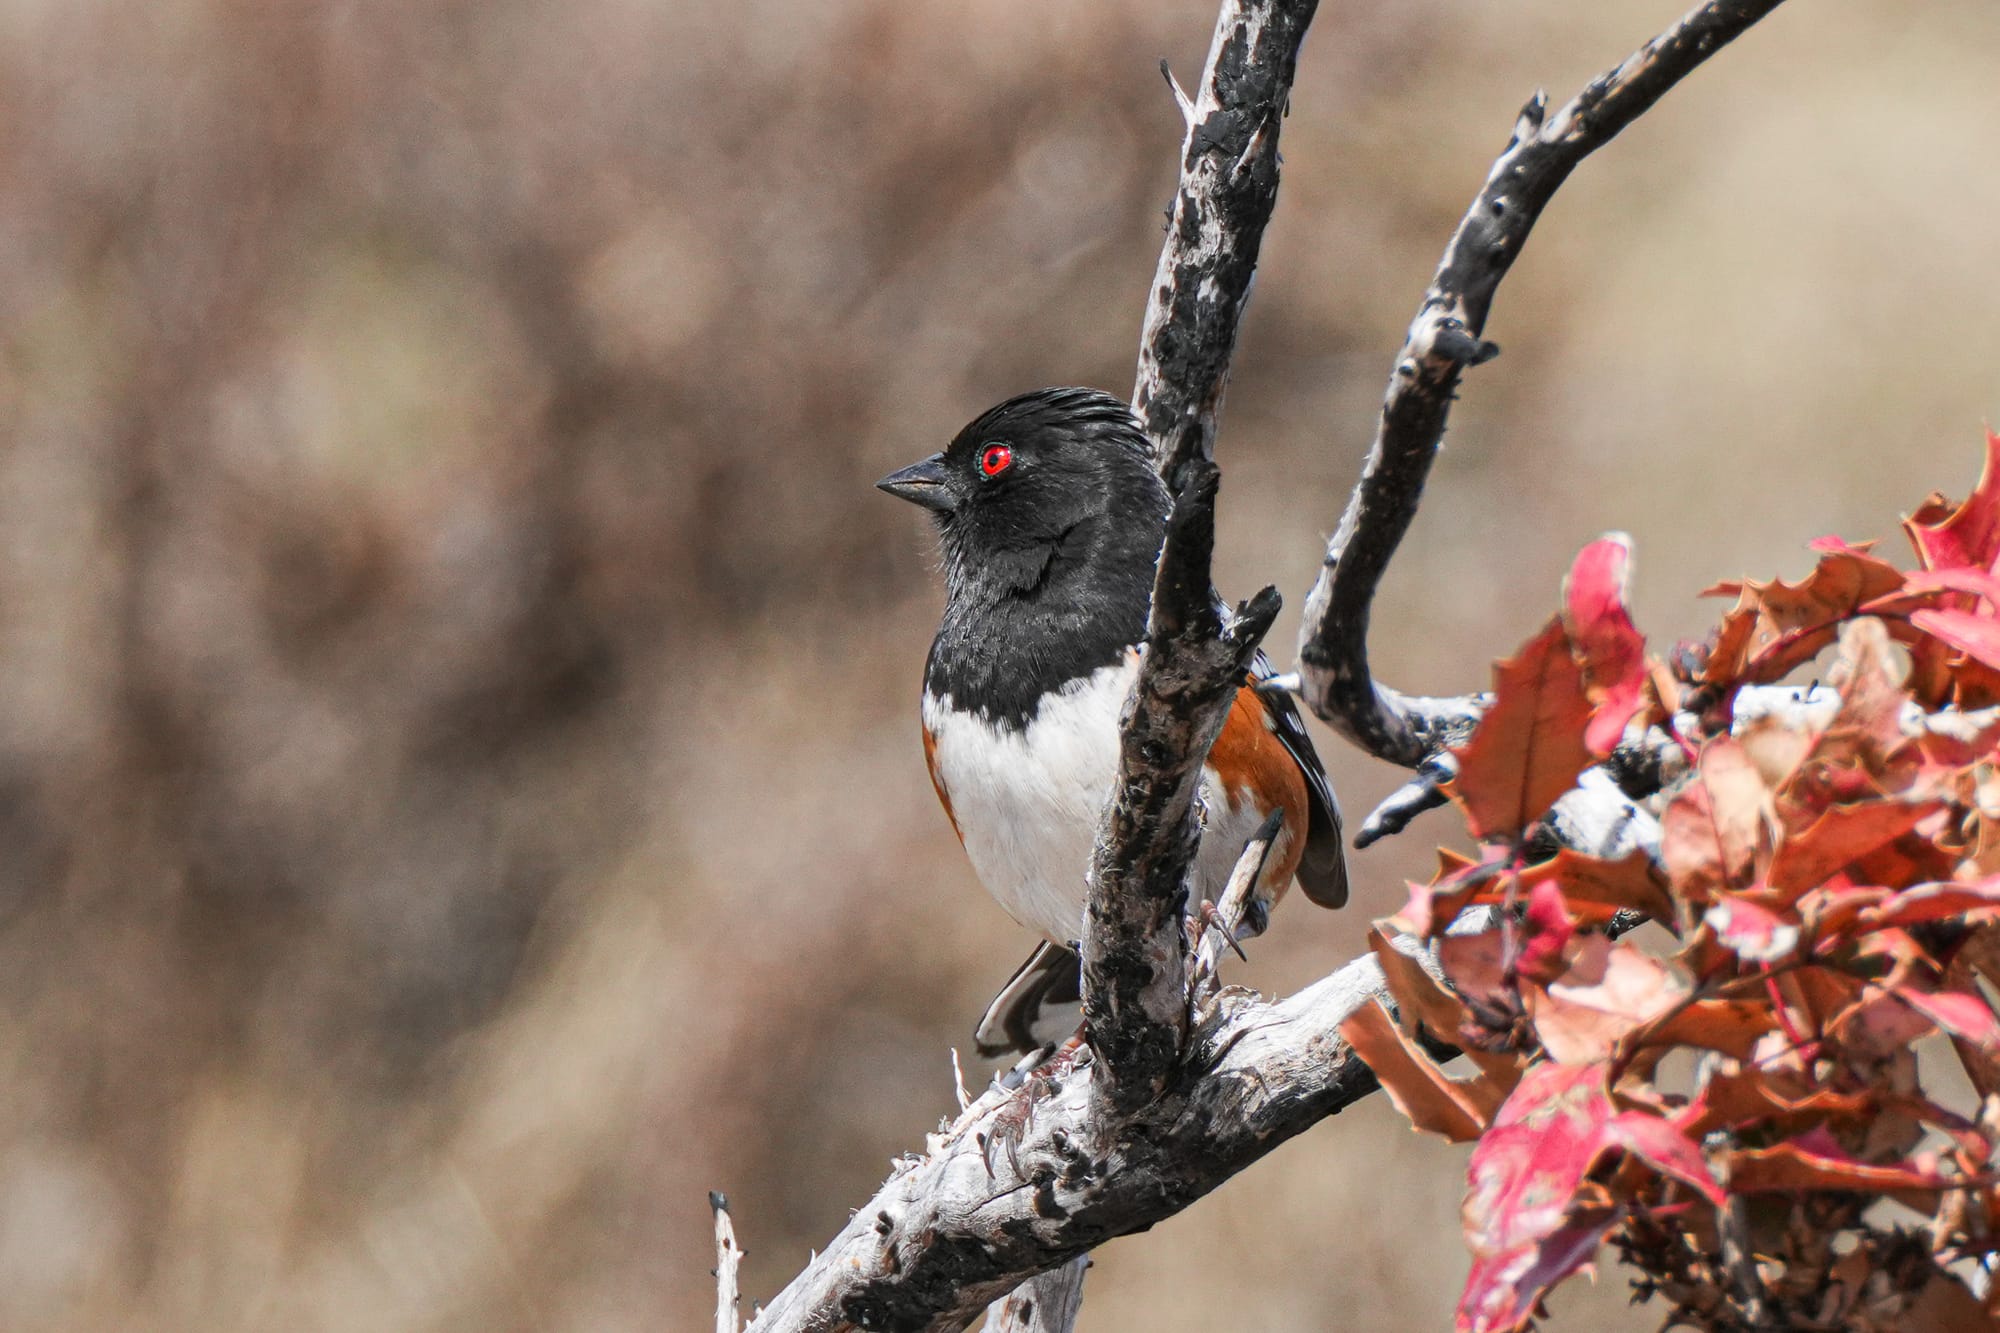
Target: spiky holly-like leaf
column 1529, row 746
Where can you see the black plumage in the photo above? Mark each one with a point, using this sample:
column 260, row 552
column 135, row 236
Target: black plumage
column 1049, row 562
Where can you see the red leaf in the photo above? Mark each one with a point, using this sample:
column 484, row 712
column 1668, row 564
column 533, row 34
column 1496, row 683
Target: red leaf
column 1611, row 652
column 1839, row 838
column 1521, row 1217
column 1977, row 636
column 1667, row 1150
column 1967, row 534
column 1529, row 746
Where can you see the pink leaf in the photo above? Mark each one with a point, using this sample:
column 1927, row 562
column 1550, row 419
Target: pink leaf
column 1974, row 635
column 1665, row 1149
column 1968, row 534
column 1607, row 646
column 1961, row 1015
column 1548, row 929
column 1502, row 1290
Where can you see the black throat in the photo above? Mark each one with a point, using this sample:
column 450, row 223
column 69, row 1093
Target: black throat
column 1028, row 619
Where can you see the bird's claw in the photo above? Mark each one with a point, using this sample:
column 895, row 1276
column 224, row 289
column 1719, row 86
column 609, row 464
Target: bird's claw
column 1016, row 1115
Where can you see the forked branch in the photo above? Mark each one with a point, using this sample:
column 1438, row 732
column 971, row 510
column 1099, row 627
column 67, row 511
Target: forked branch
column 1445, row 338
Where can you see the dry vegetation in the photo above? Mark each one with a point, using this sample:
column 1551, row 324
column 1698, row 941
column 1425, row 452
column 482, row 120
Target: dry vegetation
column 458, row 761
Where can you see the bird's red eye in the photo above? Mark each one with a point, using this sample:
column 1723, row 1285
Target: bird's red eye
column 996, row 459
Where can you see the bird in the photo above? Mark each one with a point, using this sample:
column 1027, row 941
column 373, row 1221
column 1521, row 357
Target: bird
column 1050, row 516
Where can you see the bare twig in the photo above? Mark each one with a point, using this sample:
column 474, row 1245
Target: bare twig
column 1219, row 933
column 1228, row 187
column 1043, row 1304
column 1444, row 339
column 727, row 1257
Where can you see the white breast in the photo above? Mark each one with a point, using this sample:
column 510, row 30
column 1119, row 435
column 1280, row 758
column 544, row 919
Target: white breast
column 1027, row 802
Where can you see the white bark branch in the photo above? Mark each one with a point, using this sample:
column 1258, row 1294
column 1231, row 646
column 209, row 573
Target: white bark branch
column 727, row 1259
column 943, row 1239
column 1043, row 1304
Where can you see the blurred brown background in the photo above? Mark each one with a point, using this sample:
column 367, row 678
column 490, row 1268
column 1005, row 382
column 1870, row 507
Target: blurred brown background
column 458, row 765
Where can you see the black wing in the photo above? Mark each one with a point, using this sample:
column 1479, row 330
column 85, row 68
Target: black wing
column 1041, row 1003
column 1322, row 871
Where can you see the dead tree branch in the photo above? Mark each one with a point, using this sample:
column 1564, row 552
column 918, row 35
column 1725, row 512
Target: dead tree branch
column 727, row 1259
column 1445, row 339
column 1134, row 947
column 943, row 1238
column 1228, row 187
column 1044, row 1304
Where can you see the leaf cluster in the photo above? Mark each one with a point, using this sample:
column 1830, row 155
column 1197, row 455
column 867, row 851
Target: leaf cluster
column 1730, row 1094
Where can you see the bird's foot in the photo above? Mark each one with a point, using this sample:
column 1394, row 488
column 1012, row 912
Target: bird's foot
column 1034, row 1080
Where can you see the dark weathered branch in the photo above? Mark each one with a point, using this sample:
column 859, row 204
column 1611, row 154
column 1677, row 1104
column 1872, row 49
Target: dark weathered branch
column 1134, row 946
column 1444, row 339
column 1228, row 187
column 1134, row 952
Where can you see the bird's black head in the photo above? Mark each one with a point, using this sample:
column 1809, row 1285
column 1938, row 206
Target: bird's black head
column 1051, row 480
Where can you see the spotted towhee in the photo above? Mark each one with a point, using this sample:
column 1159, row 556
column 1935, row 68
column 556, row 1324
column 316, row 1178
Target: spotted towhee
column 1051, row 516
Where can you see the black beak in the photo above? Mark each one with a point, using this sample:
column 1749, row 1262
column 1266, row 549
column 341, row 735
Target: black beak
column 925, row 483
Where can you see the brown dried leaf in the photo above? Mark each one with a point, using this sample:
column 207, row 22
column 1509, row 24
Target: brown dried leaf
column 1430, row 1098
column 1732, row 1027
column 1851, row 758
column 1776, row 626
column 1814, row 1161
column 1839, row 838
column 1419, row 997
column 1718, row 824
column 1608, row 991
column 1631, row 882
